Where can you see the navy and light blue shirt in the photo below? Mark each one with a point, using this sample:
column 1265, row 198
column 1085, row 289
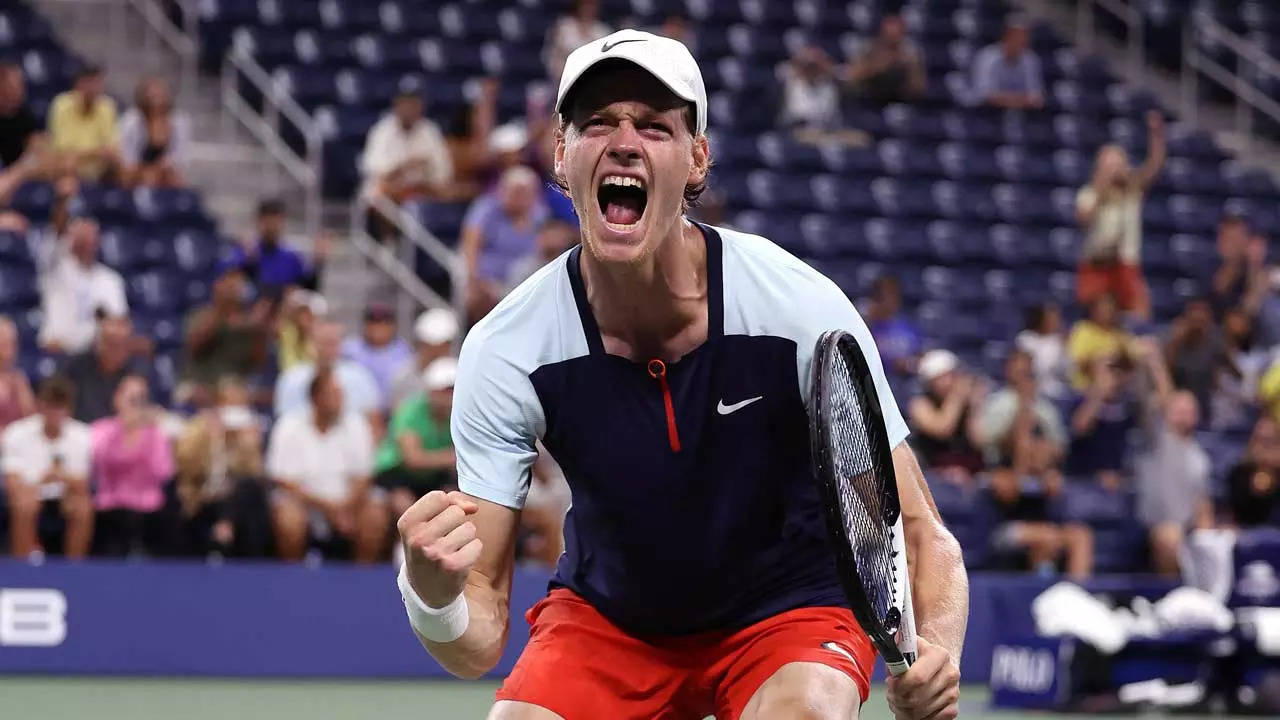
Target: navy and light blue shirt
column 722, row 533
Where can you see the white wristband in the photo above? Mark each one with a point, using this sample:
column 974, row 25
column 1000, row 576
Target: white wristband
column 440, row 625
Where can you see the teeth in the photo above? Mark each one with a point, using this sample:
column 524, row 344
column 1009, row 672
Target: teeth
column 621, row 228
column 623, row 181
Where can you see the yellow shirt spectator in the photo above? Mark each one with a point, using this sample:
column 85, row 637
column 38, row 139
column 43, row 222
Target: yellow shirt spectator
column 1089, row 341
column 79, row 129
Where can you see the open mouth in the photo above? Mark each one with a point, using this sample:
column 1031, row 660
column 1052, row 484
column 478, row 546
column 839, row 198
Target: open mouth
column 622, row 201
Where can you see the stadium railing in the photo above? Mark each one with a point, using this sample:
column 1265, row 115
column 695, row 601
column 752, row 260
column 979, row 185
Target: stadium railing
column 1250, row 61
column 265, row 125
column 1086, row 29
column 399, row 261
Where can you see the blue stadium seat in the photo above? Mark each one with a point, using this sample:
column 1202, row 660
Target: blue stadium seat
column 17, row 288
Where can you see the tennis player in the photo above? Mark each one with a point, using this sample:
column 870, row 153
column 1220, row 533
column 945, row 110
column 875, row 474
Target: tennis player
column 664, row 365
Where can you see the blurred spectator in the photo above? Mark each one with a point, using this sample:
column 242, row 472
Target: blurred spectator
column 571, row 31
column 1025, row 522
column 896, row 334
column 225, row 337
column 405, row 154
column 1110, row 407
column 219, row 465
column 890, row 68
column 1241, row 277
column 319, row 458
column 1253, row 485
column 811, row 99
column 1196, row 353
column 270, row 264
column 82, row 128
column 417, row 455
column 1172, row 474
column 359, row 389
column 295, row 344
column 1042, row 340
column 1020, row 428
column 433, row 336
column 467, row 137
column 98, row 371
column 1109, row 210
column 677, row 27
column 1236, row 391
column 16, row 399
column 132, row 462
column 499, row 228
column 1095, row 336
column 75, row 289
column 554, row 238
column 17, row 124
column 1007, row 74
column 154, row 137
column 378, row 348
column 45, row 458
column 945, row 417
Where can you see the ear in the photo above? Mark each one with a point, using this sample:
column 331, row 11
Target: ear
column 701, row 151
column 558, row 163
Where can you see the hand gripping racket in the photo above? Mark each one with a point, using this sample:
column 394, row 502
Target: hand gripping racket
column 854, row 467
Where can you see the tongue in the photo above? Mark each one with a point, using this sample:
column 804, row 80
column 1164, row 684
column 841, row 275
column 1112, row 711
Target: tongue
column 623, row 211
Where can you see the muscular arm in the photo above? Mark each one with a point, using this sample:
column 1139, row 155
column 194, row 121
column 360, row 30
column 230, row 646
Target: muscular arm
column 936, row 422
column 939, row 583
column 488, row 591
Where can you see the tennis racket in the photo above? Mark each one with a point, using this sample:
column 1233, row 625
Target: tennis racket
column 854, row 467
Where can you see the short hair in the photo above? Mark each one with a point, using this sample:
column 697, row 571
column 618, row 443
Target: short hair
column 271, row 206
column 8, row 66
column 318, row 382
column 1232, row 219
column 1036, row 314
column 57, row 390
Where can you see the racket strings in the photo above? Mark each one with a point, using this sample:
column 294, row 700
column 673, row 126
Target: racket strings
column 864, row 501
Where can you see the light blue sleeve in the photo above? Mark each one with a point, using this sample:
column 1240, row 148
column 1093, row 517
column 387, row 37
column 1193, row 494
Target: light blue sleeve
column 1035, row 78
column 983, row 75
column 496, row 421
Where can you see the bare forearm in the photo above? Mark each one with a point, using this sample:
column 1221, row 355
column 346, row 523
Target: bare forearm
column 940, row 588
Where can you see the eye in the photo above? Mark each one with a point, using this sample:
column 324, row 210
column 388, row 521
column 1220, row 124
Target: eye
column 658, row 127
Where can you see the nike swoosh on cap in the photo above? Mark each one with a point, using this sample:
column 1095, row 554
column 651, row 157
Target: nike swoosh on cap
column 726, row 409
column 607, row 46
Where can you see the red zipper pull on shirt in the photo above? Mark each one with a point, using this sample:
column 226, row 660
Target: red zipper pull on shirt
column 658, row 371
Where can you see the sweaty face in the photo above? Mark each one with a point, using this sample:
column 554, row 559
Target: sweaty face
column 627, row 155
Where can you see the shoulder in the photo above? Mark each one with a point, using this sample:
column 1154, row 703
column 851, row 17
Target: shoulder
column 291, row 422
column 19, row 429
column 354, row 425
column 537, row 323
column 77, row 432
column 61, row 102
column 769, row 290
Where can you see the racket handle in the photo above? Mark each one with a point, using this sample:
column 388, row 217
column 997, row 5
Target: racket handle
column 900, row 667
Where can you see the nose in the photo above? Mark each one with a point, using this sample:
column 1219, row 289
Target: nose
column 624, row 146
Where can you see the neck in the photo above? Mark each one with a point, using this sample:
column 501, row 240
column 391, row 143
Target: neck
column 648, row 305
column 325, row 419
column 52, row 431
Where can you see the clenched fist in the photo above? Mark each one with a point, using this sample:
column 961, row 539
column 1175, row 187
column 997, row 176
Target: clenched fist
column 440, row 545
column 929, row 689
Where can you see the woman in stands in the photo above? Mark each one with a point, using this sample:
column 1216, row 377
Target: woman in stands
column 1109, row 210
column 154, row 137
column 132, row 462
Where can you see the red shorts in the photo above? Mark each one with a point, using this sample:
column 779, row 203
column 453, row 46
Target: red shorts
column 1122, row 280
column 583, row 667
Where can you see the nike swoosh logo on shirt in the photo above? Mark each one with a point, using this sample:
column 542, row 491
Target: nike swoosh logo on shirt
column 607, row 46
column 726, row 409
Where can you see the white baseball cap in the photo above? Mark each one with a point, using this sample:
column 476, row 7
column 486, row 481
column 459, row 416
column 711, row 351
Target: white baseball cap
column 436, row 326
column 937, row 363
column 666, row 59
column 440, row 374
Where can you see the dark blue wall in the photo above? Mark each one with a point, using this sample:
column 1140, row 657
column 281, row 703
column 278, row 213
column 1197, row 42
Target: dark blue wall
column 266, row 619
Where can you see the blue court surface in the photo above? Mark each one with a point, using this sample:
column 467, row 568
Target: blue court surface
column 56, row 698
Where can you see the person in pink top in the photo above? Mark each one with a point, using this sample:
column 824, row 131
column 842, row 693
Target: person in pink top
column 132, row 462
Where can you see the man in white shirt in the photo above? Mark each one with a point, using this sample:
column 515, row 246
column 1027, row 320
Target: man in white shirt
column 46, row 470
column 405, row 154
column 320, row 459
column 74, row 288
